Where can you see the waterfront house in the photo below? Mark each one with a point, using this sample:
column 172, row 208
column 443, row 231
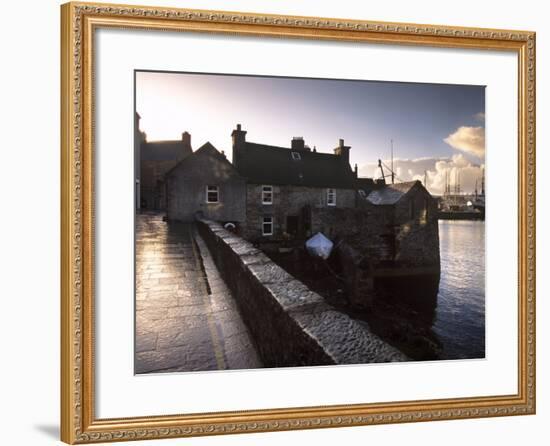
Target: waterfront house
column 283, row 183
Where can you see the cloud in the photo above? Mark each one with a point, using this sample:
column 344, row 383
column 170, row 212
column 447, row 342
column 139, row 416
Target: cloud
column 480, row 117
column 469, row 140
column 457, row 169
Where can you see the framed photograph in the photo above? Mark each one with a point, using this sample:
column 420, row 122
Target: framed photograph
column 276, row 223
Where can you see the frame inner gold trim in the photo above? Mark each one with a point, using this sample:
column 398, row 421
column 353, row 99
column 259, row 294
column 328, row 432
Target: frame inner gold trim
column 78, row 22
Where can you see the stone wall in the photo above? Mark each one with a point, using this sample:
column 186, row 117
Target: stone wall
column 400, row 240
column 368, row 229
column 290, row 324
column 288, row 201
column 364, row 238
column 417, row 236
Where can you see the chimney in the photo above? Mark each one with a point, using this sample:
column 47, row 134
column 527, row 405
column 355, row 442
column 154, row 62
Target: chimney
column 186, row 139
column 342, row 150
column 355, row 170
column 298, row 144
column 239, row 144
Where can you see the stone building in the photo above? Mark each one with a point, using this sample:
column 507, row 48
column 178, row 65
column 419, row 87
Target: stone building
column 206, row 184
column 389, row 244
column 156, row 159
column 412, row 214
column 283, row 184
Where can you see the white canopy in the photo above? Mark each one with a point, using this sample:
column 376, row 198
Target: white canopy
column 319, row 246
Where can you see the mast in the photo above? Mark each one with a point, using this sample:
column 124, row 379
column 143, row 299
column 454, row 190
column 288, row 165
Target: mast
column 455, row 182
column 392, row 174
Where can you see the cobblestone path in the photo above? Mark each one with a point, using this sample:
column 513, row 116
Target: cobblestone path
column 186, row 318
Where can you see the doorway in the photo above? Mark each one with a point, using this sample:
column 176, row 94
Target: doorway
column 292, row 225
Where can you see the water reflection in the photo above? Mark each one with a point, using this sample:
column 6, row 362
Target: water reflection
column 460, row 313
column 443, row 318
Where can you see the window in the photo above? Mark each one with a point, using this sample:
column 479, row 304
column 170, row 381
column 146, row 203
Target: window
column 331, row 197
column 267, row 194
column 212, row 194
column 267, row 226
column 296, row 156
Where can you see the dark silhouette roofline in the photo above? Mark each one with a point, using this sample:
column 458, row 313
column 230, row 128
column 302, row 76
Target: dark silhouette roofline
column 267, row 164
column 210, row 150
column 390, row 194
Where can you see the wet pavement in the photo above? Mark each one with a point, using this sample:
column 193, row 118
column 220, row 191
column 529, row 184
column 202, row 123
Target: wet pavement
column 186, row 318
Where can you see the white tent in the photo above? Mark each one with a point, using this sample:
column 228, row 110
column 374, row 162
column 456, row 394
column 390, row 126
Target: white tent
column 319, row 246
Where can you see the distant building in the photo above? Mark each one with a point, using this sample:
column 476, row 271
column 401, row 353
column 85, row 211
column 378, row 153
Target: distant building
column 206, row 184
column 139, row 139
column 156, row 158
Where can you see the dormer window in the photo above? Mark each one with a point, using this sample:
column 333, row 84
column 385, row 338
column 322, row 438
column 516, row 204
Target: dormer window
column 296, row 156
column 331, row 197
column 267, row 194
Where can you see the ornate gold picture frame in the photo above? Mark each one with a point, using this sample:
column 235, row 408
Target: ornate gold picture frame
column 80, row 21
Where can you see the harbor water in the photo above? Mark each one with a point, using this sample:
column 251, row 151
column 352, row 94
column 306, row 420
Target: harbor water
column 460, row 314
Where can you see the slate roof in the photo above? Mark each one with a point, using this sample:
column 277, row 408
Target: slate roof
column 164, row 150
column 368, row 184
column 263, row 164
column 391, row 193
column 206, row 149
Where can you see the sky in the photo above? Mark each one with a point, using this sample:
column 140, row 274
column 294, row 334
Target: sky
column 437, row 130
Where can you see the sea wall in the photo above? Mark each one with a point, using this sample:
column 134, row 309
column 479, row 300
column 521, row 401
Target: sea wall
column 290, row 324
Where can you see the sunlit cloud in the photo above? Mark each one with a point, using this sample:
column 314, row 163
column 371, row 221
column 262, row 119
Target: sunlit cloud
column 469, row 140
column 457, row 170
column 480, row 117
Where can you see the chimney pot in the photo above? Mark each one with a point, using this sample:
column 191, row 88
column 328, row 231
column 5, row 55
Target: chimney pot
column 186, row 140
column 297, row 143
